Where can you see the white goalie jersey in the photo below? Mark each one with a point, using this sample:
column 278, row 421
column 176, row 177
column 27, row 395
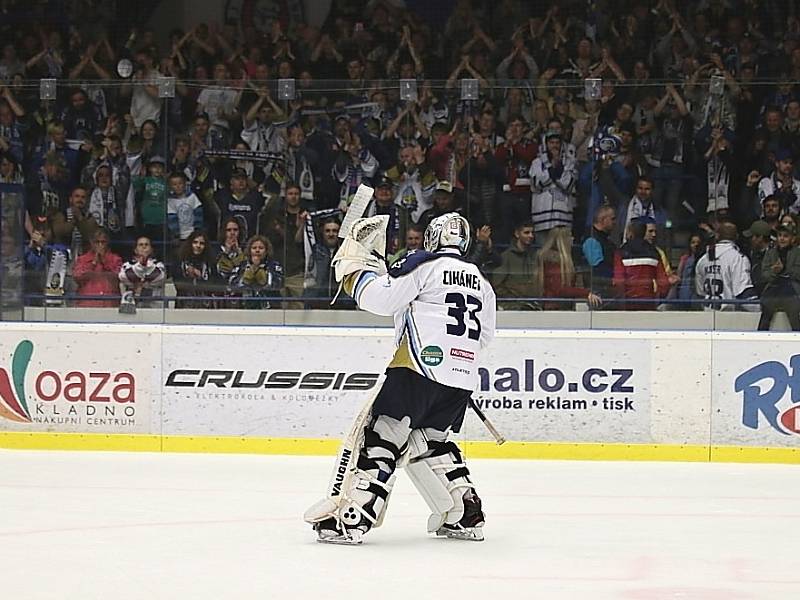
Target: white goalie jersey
column 443, row 309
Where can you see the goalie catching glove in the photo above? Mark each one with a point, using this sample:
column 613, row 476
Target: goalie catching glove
column 364, row 248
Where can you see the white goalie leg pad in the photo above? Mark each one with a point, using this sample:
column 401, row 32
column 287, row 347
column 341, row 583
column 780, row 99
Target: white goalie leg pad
column 441, row 477
column 364, row 504
column 344, row 468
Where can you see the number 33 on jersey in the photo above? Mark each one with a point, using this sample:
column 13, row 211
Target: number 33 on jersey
column 444, row 313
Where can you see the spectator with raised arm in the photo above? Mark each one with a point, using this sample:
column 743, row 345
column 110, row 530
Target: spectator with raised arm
column 354, row 165
column 414, row 180
column 151, row 201
column 12, row 128
column 220, row 102
column 514, row 157
column 670, row 150
column 553, row 179
column 519, row 67
column 284, row 225
column 405, row 62
column 143, row 89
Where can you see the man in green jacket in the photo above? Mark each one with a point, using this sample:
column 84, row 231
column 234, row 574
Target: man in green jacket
column 516, row 275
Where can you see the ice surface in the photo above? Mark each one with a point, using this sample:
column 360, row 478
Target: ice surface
column 151, row 526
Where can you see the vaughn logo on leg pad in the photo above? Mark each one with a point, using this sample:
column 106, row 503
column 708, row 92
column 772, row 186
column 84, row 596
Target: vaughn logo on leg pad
column 341, row 471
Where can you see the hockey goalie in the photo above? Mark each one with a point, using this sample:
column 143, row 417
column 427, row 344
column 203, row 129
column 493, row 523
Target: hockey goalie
column 444, row 318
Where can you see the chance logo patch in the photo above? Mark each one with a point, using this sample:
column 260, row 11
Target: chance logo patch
column 431, row 356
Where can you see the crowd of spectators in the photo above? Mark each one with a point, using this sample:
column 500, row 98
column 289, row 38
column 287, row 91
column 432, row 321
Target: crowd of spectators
column 601, row 137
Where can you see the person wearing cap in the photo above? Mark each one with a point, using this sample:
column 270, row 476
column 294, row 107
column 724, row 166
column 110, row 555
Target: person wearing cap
column 383, row 203
column 782, row 182
column 50, row 190
column 556, row 126
column 553, row 178
column 240, row 202
column 780, row 270
column 444, row 201
column 759, row 234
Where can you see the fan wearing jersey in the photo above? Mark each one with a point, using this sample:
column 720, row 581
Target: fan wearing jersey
column 723, row 273
column 444, row 317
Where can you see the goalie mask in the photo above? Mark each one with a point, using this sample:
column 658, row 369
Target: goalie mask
column 451, row 230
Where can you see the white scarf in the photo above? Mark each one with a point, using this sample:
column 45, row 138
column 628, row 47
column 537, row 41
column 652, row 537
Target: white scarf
column 718, row 181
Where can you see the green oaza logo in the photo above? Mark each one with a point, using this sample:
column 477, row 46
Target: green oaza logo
column 12, row 397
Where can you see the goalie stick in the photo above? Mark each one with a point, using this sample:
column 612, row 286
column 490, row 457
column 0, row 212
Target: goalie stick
column 497, row 435
column 356, row 209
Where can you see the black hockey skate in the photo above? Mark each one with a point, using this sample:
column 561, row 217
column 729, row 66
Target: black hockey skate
column 470, row 527
column 329, row 532
column 349, row 530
